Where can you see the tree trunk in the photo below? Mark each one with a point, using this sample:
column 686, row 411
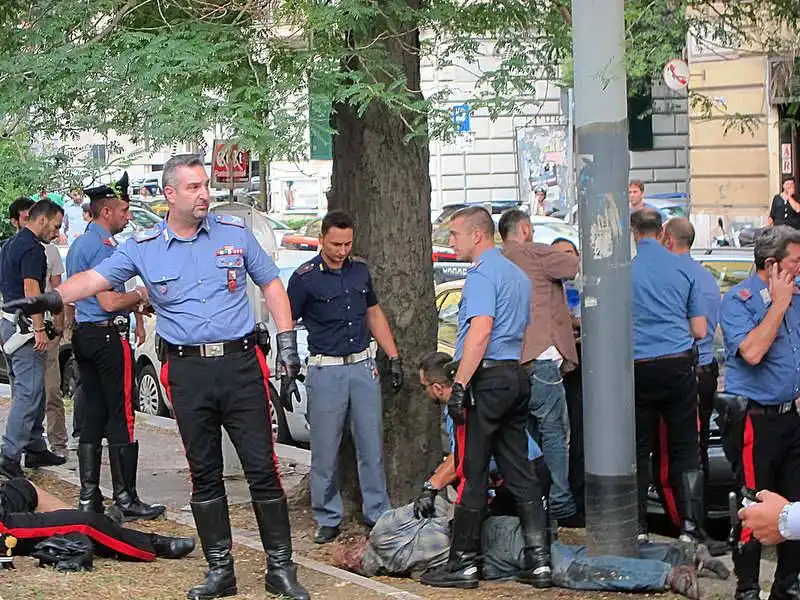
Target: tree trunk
column 384, row 183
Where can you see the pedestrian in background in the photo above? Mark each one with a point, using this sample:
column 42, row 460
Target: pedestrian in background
column 333, row 295
column 74, row 221
column 548, row 350
column 23, row 274
column 785, row 207
column 54, row 402
column 669, row 314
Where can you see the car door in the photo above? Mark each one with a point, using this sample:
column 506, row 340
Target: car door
column 448, row 320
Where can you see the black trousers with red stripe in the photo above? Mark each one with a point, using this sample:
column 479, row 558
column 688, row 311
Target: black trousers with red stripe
column 105, row 361
column 666, row 427
column 18, row 500
column 496, row 426
column 229, row 391
column 707, row 376
column 770, row 461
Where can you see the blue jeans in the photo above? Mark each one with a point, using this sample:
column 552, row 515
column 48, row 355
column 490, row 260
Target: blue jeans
column 574, row 569
column 547, row 425
column 25, row 426
column 338, row 395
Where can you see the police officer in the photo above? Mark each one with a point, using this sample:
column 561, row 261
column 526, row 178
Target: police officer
column 333, row 295
column 105, row 360
column 195, row 266
column 668, row 316
column 760, row 320
column 489, row 405
column 23, row 271
column 678, row 239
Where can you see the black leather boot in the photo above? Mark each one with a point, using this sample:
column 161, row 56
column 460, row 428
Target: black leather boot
column 124, row 461
column 534, row 520
column 172, row 547
column 785, row 587
column 214, row 529
column 694, row 513
column 273, row 525
column 89, row 456
column 747, row 567
column 461, row 570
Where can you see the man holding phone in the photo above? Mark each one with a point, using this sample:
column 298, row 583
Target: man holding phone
column 760, row 320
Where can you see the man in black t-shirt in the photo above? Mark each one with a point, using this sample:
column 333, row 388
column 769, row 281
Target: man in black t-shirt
column 23, row 270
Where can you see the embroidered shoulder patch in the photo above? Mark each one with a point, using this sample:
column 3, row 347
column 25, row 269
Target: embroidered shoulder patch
column 230, row 220
column 305, row 268
column 146, row 234
column 744, row 294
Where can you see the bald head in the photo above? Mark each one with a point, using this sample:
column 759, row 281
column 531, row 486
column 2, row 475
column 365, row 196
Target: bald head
column 679, row 234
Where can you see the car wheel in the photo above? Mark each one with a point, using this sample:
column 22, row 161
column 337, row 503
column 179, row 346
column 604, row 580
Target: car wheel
column 69, row 376
column 149, row 393
column 277, row 418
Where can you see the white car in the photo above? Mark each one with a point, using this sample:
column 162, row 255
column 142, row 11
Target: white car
column 286, row 426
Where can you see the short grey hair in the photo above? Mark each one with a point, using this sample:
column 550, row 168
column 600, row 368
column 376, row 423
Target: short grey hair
column 774, row 243
column 170, row 175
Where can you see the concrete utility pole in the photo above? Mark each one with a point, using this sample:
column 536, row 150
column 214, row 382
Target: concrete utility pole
column 602, row 163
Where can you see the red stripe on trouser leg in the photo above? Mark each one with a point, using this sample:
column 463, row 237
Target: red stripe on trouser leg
column 262, row 362
column 666, row 486
column 461, row 444
column 127, row 386
column 748, row 466
column 24, row 533
column 164, row 377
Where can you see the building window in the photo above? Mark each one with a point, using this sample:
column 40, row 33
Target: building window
column 640, row 116
column 98, row 154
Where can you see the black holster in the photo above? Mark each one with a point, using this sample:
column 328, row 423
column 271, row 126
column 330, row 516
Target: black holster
column 731, row 413
column 262, row 338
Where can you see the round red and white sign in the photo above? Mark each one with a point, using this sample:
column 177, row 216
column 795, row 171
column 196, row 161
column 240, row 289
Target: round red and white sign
column 676, row 74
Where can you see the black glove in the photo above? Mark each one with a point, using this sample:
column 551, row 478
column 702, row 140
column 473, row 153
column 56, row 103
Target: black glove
column 36, row 305
column 396, row 365
column 424, row 507
column 289, row 361
column 457, row 403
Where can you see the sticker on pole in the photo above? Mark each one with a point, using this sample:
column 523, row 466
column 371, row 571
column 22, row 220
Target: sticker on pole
column 676, row 74
column 230, row 165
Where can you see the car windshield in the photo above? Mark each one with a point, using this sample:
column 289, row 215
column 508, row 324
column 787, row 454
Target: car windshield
column 275, row 224
column 728, row 272
column 144, row 219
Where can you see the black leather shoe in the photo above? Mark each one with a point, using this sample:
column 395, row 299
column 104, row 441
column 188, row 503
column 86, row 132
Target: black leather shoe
column 214, row 527
column 273, row 525
column 10, row 468
column 172, row 547
column 326, row 534
column 34, row 460
column 124, row 462
column 461, row 571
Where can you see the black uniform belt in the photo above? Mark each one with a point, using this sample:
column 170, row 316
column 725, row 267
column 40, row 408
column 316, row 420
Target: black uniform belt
column 115, row 322
column 754, row 408
column 709, row 368
column 686, row 354
column 490, row 363
column 213, row 350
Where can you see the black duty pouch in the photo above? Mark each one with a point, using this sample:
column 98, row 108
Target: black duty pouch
column 122, row 325
column 263, row 338
column 161, row 349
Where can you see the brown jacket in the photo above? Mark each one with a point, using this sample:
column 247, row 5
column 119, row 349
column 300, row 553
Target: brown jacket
column 550, row 321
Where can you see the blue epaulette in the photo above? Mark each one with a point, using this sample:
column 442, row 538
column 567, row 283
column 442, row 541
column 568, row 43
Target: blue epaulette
column 230, row 220
column 358, row 259
column 306, row 268
column 146, row 234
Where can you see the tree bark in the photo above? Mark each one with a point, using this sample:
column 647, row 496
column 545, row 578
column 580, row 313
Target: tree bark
column 384, row 183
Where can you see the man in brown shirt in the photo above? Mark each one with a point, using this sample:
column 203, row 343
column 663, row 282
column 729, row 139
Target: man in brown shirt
column 548, row 347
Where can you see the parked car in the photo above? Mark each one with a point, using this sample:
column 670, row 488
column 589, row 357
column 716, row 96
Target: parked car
column 305, row 238
column 279, row 229
column 66, row 363
column 496, row 207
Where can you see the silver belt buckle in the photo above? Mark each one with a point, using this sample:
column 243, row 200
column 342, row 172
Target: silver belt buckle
column 785, row 408
column 213, row 350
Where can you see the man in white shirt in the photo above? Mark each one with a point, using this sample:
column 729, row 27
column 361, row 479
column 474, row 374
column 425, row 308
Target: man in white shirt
column 54, row 407
column 74, row 223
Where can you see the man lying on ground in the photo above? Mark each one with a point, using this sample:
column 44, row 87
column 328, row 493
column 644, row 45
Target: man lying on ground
column 413, row 538
column 31, row 515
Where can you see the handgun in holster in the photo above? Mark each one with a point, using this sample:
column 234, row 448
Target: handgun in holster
column 263, row 339
column 161, row 349
column 123, row 326
column 23, row 334
column 731, row 414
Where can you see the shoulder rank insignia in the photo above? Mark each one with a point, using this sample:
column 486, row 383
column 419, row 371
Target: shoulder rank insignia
column 473, row 266
column 146, row 234
column 230, row 220
column 359, row 259
column 110, row 242
column 305, row 268
column 744, row 294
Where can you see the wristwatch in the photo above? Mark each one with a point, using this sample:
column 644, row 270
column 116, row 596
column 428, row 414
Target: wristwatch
column 783, row 523
column 428, row 487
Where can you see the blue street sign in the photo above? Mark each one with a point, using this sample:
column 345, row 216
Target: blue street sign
column 461, row 113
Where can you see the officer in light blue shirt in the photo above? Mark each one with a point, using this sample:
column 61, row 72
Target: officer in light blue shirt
column 488, row 403
column 668, row 316
column 195, row 267
column 760, row 320
column 678, row 238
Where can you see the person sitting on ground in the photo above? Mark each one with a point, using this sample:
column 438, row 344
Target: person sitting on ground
column 30, row 515
column 411, row 539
